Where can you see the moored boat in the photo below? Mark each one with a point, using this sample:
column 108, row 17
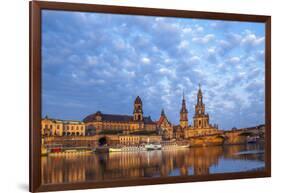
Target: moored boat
column 150, row 147
column 115, row 149
column 252, row 139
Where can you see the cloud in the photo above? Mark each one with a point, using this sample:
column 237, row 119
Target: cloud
column 92, row 60
column 251, row 40
column 183, row 44
column 187, row 30
column 211, row 55
column 194, row 60
column 205, row 39
column 101, row 62
column 229, row 43
column 199, row 28
column 167, row 71
column 260, row 56
column 233, row 60
column 145, row 60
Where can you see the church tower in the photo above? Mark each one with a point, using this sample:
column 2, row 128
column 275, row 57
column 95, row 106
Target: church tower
column 201, row 120
column 200, row 107
column 138, row 113
column 183, row 114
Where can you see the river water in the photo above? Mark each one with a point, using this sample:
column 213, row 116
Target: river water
column 129, row 165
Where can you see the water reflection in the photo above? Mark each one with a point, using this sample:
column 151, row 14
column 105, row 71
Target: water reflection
column 122, row 165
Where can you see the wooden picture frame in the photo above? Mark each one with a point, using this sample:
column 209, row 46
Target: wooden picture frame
column 36, row 8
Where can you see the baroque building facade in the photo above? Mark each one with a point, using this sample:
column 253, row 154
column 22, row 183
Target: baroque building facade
column 101, row 123
column 57, row 127
column 201, row 122
column 165, row 127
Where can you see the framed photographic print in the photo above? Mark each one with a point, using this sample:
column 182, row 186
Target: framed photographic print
column 123, row 96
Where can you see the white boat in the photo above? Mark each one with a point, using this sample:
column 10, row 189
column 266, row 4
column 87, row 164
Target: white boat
column 153, row 147
column 115, row 149
column 149, row 146
column 158, row 146
column 70, row 150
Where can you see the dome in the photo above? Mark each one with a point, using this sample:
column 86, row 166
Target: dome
column 138, row 100
column 98, row 113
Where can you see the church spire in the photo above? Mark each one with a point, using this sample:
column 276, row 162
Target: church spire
column 200, row 107
column 162, row 112
column 183, row 113
column 199, row 95
column 183, row 105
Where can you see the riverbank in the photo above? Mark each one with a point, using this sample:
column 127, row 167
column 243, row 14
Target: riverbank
column 174, row 162
column 112, row 149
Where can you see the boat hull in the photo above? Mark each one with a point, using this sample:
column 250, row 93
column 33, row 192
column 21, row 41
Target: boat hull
column 151, row 147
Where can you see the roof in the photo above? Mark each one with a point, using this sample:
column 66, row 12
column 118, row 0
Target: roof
column 161, row 119
column 62, row 121
column 148, row 120
column 115, row 118
column 138, row 100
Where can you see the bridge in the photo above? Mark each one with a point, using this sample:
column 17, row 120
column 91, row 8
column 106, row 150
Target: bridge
column 239, row 136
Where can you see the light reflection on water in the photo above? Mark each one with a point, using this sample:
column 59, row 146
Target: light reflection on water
column 128, row 165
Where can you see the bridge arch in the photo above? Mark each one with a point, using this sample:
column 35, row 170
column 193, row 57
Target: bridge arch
column 102, row 141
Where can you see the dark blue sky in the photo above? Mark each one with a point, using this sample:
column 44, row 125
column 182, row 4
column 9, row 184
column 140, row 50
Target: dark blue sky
column 103, row 61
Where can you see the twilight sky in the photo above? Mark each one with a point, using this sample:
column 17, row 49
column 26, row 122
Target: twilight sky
column 102, row 62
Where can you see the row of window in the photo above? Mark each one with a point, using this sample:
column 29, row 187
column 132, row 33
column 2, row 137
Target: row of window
column 129, row 139
column 56, row 133
column 116, row 126
column 65, row 127
column 72, row 134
